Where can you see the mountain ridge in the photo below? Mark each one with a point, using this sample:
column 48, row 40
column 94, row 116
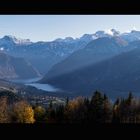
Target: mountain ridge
column 120, row 74
column 14, row 68
column 43, row 55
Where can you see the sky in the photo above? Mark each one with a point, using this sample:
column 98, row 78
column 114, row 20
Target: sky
column 50, row 27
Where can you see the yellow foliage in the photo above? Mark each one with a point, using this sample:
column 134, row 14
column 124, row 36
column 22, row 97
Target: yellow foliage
column 74, row 104
column 4, row 110
column 39, row 110
column 24, row 112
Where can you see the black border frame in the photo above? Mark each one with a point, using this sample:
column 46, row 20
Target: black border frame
column 69, row 7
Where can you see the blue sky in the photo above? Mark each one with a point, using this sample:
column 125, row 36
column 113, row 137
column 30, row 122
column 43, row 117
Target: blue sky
column 50, row 27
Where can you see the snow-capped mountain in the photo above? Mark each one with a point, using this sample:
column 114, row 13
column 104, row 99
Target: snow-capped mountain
column 128, row 36
column 95, row 51
column 131, row 36
column 116, row 76
column 14, row 40
column 66, row 40
column 44, row 55
column 90, row 37
column 8, row 42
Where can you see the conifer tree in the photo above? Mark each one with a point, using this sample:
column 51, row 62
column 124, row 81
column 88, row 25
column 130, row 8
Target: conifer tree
column 97, row 107
column 115, row 111
column 107, row 110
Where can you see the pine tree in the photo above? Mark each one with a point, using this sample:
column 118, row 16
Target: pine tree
column 116, row 113
column 60, row 114
column 97, row 107
column 67, row 101
column 129, row 99
column 50, row 105
column 107, row 110
column 51, row 114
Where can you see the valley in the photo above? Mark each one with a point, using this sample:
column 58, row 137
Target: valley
column 105, row 61
column 69, row 69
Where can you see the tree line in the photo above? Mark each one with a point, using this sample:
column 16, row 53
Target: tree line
column 98, row 109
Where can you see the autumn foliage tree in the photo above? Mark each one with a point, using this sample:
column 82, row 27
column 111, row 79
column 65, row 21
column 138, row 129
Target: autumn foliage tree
column 75, row 110
column 97, row 109
column 39, row 114
column 23, row 113
column 4, row 111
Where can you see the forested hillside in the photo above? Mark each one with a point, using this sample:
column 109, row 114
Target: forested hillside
column 97, row 109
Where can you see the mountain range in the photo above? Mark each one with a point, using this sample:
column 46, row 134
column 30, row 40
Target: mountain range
column 44, row 55
column 110, row 64
column 96, row 51
column 120, row 74
column 104, row 60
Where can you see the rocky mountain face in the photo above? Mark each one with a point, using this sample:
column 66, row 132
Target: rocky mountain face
column 117, row 75
column 96, row 51
column 16, row 68
column 44, row 55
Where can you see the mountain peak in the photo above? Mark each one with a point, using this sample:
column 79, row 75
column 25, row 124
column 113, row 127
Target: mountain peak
column 135, row 31
column 9, row 37
column 69, row 39
column 13, row 39
column 113, row 32
column 66, row 39
column 88, row 37
column 100, row 32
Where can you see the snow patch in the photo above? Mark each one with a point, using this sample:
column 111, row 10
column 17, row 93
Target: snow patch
column 1, row 49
